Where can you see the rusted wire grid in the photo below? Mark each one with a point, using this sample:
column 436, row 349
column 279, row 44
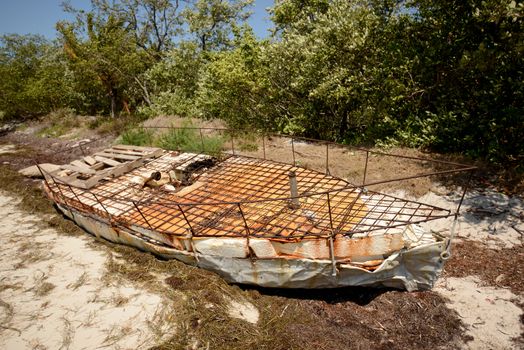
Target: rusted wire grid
column 347, row 215
column 247, row 201
column 349, row 191
column 463, row 168
column 264, row 135
column 348, row 185
column 413, row 216
column 235, row 233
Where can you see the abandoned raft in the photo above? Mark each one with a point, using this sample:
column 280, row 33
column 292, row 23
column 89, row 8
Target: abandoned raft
column 253, row 221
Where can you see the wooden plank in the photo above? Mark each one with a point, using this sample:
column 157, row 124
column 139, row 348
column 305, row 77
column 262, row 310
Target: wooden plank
column 134, row 164
column 107, row 154
column 149, row 152
column 155, row 153
column 90, row 160
column 132, row 148
column 121, row 151
column 98, row 166
column 129, row 158
column 107, row 161
column 78, row 169
column 80, row 164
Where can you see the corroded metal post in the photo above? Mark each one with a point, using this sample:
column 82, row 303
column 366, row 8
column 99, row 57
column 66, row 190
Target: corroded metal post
column 201, row 140
column 232, row 144
column 185, row 218
column 42, row 173
column 143, row 217
column 191, row 232
column 365, row 168
column 446, row 254
column 293, row 150
column 295, row 204
column 334, row 270
column 327, row 159
column 77, row 198
column 466, row 187
column 264, row 145
column 248, row 232
column 99, row 202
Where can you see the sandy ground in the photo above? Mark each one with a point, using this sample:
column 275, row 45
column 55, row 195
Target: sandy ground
column 492, row 315
column 53, row 294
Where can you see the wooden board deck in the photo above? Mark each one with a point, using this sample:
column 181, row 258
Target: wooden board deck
column 112, row 162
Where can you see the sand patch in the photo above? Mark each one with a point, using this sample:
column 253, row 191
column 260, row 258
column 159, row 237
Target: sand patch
column 52, row 295
column 490, row 313
column 486, row 216
column 243, row 311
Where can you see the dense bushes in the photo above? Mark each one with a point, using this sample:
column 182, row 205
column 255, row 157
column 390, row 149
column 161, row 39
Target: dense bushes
column 446, row 75
column 442, row 75
column 33, row 76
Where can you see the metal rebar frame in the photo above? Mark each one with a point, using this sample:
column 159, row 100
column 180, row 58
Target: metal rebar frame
column 245, row 196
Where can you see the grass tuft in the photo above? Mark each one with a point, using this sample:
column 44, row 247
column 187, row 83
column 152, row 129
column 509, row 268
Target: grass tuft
column 137, row 137
column 190, row 140
column 44, row 288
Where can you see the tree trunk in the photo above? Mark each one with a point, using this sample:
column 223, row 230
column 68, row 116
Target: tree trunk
column 112, row 94
column 343, row 126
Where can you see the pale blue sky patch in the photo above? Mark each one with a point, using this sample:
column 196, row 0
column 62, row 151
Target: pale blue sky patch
column 40, row 16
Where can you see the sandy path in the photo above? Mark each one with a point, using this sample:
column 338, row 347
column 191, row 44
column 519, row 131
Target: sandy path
column 53, row 295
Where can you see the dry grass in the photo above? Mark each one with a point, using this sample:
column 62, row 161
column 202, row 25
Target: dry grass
column 79, row 282
column 67, row 335
column 115, row 334
column 7, row 316
column 5, row 286
column 30, row 252
column 502, row 268
column 43, row 289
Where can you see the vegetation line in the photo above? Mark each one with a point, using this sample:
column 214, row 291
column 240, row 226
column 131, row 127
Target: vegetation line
column 446, row 76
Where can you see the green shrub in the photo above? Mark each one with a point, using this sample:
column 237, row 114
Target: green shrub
column 190, row 140
column 137, row 137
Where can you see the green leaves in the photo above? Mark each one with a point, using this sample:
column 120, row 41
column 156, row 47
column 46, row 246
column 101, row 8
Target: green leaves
column 106, row 58
column 211, row 22
column 447, row 75
column 34, row 78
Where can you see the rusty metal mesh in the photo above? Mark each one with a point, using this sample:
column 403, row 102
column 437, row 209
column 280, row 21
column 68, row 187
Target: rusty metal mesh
column 244, row 196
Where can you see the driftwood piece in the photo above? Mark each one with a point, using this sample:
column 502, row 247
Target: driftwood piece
column 77, row 169
column 109, row 154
